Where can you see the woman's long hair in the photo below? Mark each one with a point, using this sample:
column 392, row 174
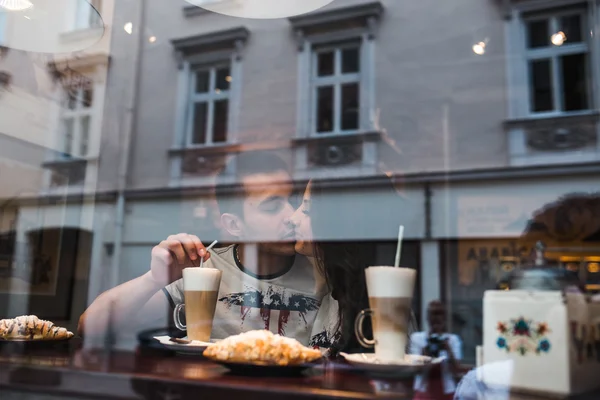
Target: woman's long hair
column 334, row 214
column 343, row 266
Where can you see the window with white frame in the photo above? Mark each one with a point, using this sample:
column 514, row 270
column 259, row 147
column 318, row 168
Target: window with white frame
column 335, row 78
column 76, row 119
column 87, row 14
column 557, row 55
column 209, row 105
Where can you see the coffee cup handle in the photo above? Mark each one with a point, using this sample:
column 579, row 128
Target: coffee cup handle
column 176, row 318
column 358, row 329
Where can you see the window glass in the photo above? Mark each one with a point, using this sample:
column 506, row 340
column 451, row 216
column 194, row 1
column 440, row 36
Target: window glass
column 428, row 166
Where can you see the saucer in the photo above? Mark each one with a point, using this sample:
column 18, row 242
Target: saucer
column 195, row 347
column 411, row 366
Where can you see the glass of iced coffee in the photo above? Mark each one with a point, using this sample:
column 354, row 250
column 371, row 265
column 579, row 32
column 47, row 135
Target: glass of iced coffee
column 390, row 291
column 201, row 289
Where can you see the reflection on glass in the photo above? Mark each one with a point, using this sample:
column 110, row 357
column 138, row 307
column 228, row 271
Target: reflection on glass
column 95, row 19
column 575, row 85
column 72, row 98
column 15, row 5
column 469, row 126
column 541, row 86
column 202, row 81
column 558, row 38
column 40, row 26
column 88, row 97
column 326, row 63
column 222, row 79
column 85, row 135
column 350, row 106
column 350, row 60
column 87, row 17
column 538, row 34
column 325, row 109
column 220, row 121
column 68, row 135
column 200, row 119
column 572, row 27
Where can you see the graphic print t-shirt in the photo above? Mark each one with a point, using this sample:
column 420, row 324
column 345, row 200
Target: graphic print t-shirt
column 285, row 305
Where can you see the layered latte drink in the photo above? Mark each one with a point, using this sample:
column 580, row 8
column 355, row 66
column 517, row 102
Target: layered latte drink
column 390, row 293
column 201, row 289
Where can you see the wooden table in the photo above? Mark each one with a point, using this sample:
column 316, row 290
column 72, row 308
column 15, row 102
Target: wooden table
column 75, row 373
column 156, row 375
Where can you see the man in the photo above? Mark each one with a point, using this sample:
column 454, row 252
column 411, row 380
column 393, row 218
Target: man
column 437, row 343
column 262, row 287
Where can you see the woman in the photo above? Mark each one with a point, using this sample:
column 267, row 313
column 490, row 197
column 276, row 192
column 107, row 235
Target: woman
column 327, row 224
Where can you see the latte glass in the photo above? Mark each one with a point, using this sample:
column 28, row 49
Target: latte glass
column 390, row 291
column 201, row 289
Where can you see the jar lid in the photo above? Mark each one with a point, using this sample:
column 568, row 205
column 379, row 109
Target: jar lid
column 540, row 278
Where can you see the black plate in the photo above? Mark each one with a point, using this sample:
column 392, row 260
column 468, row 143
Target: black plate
column 147, row 342
column 250, row 369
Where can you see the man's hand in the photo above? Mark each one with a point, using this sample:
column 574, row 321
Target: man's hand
column 174, row 254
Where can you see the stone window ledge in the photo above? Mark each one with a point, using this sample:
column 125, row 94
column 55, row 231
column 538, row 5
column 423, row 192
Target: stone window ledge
column 228, row 148
column 65, row 163
column 368, row 136
column 553, row 120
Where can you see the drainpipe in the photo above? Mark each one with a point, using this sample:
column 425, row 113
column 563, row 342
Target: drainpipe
column 428, row 221
column 126, row 145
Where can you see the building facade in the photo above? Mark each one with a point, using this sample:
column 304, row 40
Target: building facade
column 483, row 114
column 481, row 123
column 54, row 66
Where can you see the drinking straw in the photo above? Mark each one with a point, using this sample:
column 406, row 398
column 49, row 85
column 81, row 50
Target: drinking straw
column 207, row 249
column 399, row 246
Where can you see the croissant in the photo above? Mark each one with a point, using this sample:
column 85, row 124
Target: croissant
column 261, row 347
column 30, row 327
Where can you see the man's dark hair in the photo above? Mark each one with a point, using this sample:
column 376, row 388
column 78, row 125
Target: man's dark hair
column 243, row 165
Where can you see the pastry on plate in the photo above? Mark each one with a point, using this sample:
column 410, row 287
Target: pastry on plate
column 30, row 327
column 261, row 347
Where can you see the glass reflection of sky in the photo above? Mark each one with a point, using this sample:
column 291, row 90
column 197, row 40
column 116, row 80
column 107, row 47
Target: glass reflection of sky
column 43, row 28
column 260, row 9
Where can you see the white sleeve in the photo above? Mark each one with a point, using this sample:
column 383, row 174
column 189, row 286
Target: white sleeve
column 416, row 343
column 456, row 346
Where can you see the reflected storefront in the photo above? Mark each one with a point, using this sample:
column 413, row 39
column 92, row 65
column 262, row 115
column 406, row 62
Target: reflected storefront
column 496, row 230
column 49, row 271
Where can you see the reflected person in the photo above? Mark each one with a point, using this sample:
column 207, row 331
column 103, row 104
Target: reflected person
column 437, row 342
column 272, row 288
